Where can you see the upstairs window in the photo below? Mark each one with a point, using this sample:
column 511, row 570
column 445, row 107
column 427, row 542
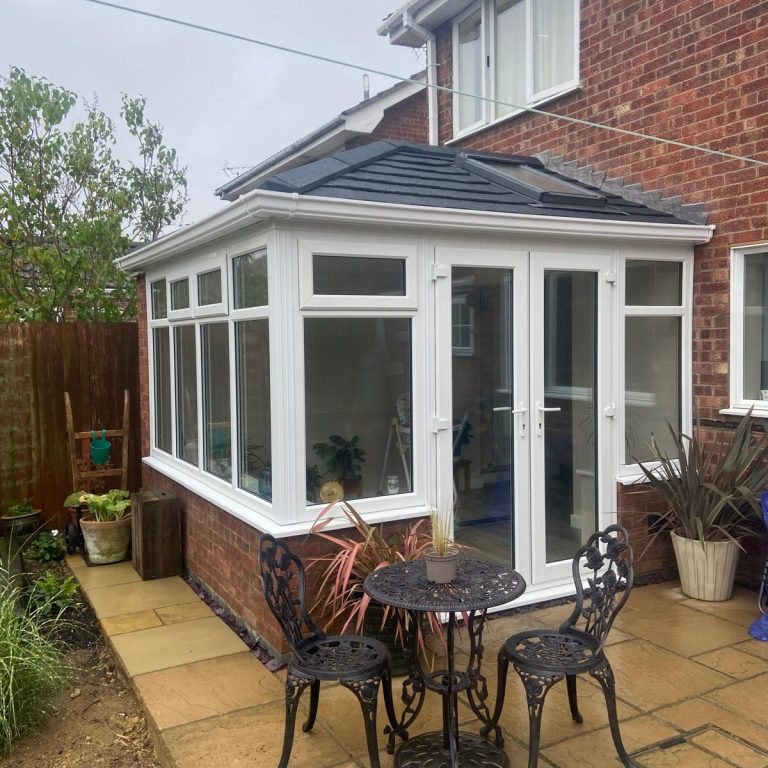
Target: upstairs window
column 520, row 52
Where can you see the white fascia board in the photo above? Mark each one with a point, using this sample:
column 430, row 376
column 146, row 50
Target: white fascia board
column 261, row 206
column 424, row 13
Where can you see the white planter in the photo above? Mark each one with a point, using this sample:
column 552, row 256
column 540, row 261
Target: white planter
column 708, row 572
column 441, row 569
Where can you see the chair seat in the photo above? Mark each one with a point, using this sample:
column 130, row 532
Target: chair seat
column 552, row 651
column 340, row 657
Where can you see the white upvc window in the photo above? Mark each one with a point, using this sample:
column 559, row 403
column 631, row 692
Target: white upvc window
column 210, row 409
column 518, row 52
column 749, row 329
column 656, row 355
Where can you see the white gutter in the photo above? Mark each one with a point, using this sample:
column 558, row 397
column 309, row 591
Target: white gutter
column 429, row 38
column 262, row 205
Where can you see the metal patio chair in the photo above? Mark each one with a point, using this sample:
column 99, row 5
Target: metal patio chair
column 358, row 663
column 544, row 657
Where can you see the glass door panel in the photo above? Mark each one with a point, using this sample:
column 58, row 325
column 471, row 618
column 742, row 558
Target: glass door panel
column 567, row 414
column 483, row 452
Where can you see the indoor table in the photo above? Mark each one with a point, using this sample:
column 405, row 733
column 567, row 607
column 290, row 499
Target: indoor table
column 478, row 586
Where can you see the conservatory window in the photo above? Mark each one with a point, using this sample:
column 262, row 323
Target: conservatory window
column 749, row 323
column 180, row 294
column 159, row 300
column 186, row 393
column 209, row 288
column 358, row 276
column 357, row 399
column 519, row 52
column 249, row 280
column 253, row 407
column 653, row 349
column 214, row 338
column 162, row 388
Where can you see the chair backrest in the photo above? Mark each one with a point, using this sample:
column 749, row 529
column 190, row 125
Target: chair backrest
column 284, row 584
column 607, row 557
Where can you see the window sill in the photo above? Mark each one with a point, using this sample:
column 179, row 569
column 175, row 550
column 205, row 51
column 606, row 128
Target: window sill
column 633, row 479
column 476, row 129
column 743, row 410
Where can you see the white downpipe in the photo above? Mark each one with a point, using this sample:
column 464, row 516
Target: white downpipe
column 429, row 39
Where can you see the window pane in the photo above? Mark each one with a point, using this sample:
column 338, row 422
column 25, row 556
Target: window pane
column 253, row 413
column 186, row 393
column 510, row 55
column 653, row 375
column 180, row 294
column 209, row 288
column 553, row 39
column 216, row 413
column 470, row 69
column 249, row 278
column 654, row 283
column 358, row 394
column 159, row 302
column 357, row 276
column 756, row 326
column 162, row 376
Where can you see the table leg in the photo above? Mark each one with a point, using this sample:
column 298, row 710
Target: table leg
column 413, row 685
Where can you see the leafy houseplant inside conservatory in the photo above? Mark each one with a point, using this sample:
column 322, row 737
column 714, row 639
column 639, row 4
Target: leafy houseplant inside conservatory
column 712, row 486
column 343, row 459
column 107, row 527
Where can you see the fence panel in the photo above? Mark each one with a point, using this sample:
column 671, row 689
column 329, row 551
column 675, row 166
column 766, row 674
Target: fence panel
column 94, row 362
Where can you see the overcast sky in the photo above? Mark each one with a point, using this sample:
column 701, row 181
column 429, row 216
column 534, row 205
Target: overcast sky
column 222, row 102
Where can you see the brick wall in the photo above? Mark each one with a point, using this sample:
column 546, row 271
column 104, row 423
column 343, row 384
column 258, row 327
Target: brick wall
column 687, row 70
column 406, row 121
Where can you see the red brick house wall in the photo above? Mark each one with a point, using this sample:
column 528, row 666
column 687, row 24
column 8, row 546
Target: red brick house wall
column 406, row 121
column 686, row 70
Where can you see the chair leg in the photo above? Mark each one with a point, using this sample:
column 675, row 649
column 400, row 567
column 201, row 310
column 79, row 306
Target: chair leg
column 501, row 690
column 314, row 698
column 536, row 689
column 604, row 675
column 294, row 687
column 573, row 701
column 367, row 692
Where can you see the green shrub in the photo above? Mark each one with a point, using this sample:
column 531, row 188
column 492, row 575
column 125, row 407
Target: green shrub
column 31, row 669
column 51, row 595
column 47, row 548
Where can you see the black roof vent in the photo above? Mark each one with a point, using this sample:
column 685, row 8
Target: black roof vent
column 536, row 183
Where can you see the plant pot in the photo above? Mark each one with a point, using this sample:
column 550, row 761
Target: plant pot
column 706, row 572
column 441, row 569
column 106, row 542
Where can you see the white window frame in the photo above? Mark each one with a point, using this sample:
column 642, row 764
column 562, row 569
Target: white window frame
column 489, row 58
column 469, row 350
column 739, row 405
column 629, row 474
column 365, row 248
column 187, row 312
column 220, row 307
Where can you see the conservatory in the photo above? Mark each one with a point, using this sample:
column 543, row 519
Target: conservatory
column 420, row 327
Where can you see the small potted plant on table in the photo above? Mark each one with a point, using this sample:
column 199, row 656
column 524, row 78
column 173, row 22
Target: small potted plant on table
column 107, row 527
column 442, row 557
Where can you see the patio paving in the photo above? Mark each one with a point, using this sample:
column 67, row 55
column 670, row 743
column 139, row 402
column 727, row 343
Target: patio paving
column 690, row 681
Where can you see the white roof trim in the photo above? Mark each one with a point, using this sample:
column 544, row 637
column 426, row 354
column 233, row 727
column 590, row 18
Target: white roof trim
column 261, row 205
column 426, row 14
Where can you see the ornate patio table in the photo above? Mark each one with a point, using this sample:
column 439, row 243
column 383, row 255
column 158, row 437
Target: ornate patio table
column 478, row 586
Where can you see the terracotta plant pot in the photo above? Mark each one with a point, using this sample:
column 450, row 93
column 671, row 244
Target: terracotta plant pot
column 441, row 569
column 706, row 572
column 106, row 542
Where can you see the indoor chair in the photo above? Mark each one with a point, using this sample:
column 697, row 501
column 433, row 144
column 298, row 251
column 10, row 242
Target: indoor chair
column 543, row 657
column 356, row 662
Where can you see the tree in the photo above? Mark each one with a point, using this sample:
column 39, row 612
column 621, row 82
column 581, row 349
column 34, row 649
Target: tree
column 69, row 207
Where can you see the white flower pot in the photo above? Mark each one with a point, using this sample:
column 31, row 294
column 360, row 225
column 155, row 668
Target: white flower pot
column 706, row 572
column 441, row 569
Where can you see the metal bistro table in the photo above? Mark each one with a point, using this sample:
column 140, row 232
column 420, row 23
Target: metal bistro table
column 478, row 586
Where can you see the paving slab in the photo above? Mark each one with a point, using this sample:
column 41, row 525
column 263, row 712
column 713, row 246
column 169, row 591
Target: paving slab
column 140, row 596
column 173, row 614
column 175, row 644
column 106, row 576
column 206, row 689
column 130, row 622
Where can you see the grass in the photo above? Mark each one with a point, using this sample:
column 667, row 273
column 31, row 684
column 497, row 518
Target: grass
column 31, row 667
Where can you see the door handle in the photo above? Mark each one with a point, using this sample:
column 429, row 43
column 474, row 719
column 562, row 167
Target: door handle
column 512, row 411
column 540, row 419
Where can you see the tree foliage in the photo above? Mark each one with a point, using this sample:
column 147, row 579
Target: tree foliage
column 69, row 206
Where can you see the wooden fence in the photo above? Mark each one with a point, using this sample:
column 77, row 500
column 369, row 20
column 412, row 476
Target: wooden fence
column 95, row 363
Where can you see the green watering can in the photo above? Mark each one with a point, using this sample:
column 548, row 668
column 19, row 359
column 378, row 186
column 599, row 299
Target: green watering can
column 100, row 448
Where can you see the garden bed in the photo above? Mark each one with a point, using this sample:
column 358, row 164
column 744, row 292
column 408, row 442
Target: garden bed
column 96, row 719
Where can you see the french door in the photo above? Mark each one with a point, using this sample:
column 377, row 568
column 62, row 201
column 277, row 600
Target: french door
column 523, row 397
